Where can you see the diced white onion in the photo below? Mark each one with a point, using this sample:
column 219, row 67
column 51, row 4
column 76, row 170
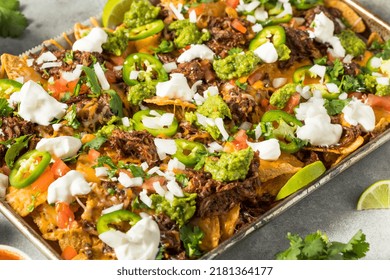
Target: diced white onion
column 101, row 171
column 192, row 16
column 257, row 27
column 333, row 88
column 134, row 75
column 164, row 147
column 175, row 164
column 279, row 82
column 128, row 182
column 126, row 121
column 174, row 188
column 245, row 126
column 51, row 64
column 343, row 96
column 46, row 57
column 101, row 77
column 158, row 188
column 251, row 18
column 215, row 147
column 177, row 11
column 319, row 70
column 143, row 196
column 170, row 66
column 221, row 128
column 383, row 81
column 112, row 208
column 144, row 166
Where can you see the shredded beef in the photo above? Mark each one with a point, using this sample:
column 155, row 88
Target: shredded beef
column 242, row 105
column 301, row 46
column 197, row 70
column 93, row 113
column 224, row 36
column 215, row 197
column 135, row 144
column 331, row 13
column 170, row 236
column 83, row 58
column 167, row 57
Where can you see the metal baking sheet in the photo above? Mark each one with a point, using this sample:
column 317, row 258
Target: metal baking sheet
column 51, row 251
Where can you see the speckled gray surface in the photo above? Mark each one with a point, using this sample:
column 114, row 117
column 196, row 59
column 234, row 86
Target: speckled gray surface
column 330, row 209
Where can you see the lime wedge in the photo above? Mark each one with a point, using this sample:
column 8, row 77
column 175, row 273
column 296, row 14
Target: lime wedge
column 301, row 179
column 376, row 196
column 113, row 12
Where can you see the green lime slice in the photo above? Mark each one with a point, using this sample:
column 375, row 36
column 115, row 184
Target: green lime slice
column 376, row 196
column 113, row 12
column 301, row 179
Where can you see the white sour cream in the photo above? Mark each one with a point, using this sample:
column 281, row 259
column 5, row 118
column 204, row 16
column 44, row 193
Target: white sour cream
column 37, row 106
column 357, row 112
column 268, row 149
column 66, row 187
column 196, row 51
column 92, row 42
column 318, row 129
column 176, row 88
column 61, row 147
column 141, row 242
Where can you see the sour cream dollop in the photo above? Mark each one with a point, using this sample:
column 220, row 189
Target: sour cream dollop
column 61, row 147
column 141, row 242
column 92, row 42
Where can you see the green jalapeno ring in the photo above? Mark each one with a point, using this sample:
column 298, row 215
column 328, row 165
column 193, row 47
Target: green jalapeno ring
column 291, row 143
column 116, row 217
column 145, row 31
column 7, row 87
column 274, row 21
column 28, row 168
column 189, row 153
column 305, row 5
column 139, row 126
column 276, row 34
column 136, row 62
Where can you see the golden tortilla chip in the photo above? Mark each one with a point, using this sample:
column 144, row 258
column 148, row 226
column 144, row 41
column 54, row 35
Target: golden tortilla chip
column 212, row 232
column 24, row 201
column 16, row 67
column 45, row 217
column 286, row 164
column 273, row 186
column 228, row 222
column 354, row 20
column 176, row 106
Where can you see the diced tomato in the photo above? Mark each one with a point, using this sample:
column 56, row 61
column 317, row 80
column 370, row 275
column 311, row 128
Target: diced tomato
column 236, row 24
column 379, row 101
column 65, row 215
column 292, row 103
column 148, row 184
column 239, row 142
column 69, row 253
column 232, row 3
column 117, row 60
column 43, row 182
column 60, row 86
column 200, row 9
column 59, row 168
column 93, row 155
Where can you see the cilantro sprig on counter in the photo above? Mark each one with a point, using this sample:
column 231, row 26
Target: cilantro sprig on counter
column 316, row 246
column 12, row 21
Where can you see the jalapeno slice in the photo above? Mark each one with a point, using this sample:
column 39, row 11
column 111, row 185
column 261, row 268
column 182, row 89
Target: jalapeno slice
column 147, row 67
column 166, row 131
column 189, row 153
column 145, row 31
column 28, row 168
column 284, row 132
column 8, row 87
column 106, row 221
column 306, row 4
column 303, row 76
column 276, row 34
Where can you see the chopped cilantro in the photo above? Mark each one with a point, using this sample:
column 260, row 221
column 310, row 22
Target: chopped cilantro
column 12, row 21
column 192, row 238
column 5, row 109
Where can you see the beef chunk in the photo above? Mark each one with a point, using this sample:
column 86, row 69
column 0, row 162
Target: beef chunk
column 197, row 70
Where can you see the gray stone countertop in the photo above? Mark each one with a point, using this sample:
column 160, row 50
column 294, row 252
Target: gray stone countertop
column 330, row 209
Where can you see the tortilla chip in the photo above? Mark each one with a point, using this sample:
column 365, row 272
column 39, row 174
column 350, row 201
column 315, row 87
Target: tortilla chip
column 16, row 67
column 176, row 106
column 228, row 222
column 354, row 20
column 286, row 164
column 24, row 201
column 374, row 37
column 211, row 229
column 273, row 186
column 45, row 217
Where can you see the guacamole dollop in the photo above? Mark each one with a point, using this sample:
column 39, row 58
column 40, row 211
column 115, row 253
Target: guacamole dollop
column 235, row 65
column 187, row 33
column 141, row 91
column 180, row 210
column 281, row 96
column 230, row 166
column 141, row 12
column 214, row 107
column 117, row 42
column 352, row 44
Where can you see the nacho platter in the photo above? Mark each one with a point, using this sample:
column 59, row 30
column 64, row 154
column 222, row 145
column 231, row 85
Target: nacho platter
column 53, row 252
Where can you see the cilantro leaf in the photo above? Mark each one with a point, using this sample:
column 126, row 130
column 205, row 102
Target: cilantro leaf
column 116, row 103
column 316, row 246
column 10, row 5
column 182, row 179
column 335, row 106
column 14, row 150
column 71, row 117
column 5, row 109
column 192, row 238
column 12, row 21
column 95, row 143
